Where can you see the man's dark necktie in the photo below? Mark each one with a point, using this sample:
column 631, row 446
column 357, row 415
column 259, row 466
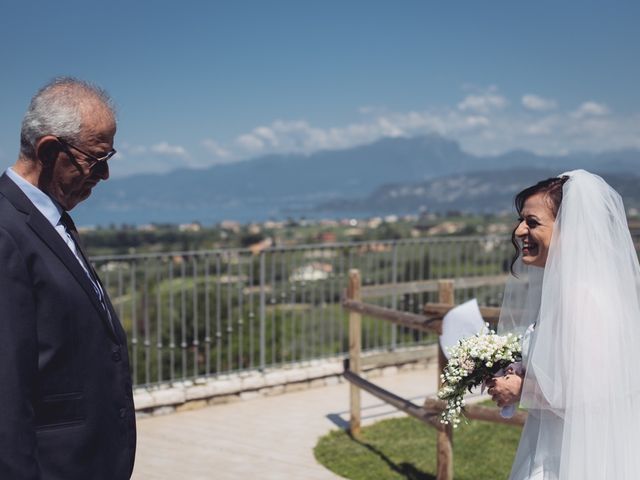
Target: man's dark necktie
column 97, row 286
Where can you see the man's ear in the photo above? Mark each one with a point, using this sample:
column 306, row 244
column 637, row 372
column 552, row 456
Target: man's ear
column 47, row 149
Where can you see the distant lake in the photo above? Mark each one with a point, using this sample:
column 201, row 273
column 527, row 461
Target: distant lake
column 84, row 215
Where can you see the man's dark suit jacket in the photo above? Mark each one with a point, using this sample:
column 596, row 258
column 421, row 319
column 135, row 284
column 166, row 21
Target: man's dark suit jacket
column 66, row 407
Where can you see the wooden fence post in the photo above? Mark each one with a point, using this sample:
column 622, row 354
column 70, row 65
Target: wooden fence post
column 445, row 438
column 355, row 347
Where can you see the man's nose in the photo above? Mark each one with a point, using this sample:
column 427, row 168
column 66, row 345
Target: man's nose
column 102, row 170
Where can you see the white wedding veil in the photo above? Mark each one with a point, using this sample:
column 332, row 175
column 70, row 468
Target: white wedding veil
column 585, row 305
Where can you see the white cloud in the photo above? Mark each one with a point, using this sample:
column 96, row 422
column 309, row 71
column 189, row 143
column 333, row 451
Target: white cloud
column 158, row 158
column 250, row 142
column 483, row 123
column 590, row 109
column 126, row 150
column 165, row 149
column 477, row 121
column 538, row 103
column 544, row 126
column 293, row 136
column 483, row 102
column 216, row 149
column 301, row 137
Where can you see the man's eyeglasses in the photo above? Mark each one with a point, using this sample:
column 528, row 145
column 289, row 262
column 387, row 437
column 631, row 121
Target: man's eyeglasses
column 93, row 159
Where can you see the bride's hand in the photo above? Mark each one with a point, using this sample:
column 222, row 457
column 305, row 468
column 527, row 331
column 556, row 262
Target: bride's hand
column 505, row 390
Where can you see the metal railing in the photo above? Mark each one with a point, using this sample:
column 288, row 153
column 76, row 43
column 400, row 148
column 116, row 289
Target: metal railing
column 204, row 313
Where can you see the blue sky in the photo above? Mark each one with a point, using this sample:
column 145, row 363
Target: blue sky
column 200, row 83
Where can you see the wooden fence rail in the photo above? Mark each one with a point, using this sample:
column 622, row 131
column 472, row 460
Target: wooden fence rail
column 430, row 322
column 402, row 288
column 405, row 319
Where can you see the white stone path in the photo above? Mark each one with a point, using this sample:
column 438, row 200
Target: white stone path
column 264, row 438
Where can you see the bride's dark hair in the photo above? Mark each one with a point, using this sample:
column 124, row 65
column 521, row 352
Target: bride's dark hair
column 552, row 188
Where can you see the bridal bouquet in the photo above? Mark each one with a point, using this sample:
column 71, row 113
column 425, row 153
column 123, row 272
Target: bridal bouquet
column 473, row 361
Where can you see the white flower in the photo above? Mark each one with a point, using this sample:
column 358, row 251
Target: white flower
column 471, row 361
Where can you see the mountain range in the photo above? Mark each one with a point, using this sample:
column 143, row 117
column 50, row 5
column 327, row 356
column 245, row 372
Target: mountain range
column 392, row 174
column 490, row 191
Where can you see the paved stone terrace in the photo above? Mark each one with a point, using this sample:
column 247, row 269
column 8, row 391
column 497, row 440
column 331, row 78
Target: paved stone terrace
column 266, row 437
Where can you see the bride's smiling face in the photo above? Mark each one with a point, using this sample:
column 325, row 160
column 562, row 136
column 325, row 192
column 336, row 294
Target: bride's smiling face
column 535, row 229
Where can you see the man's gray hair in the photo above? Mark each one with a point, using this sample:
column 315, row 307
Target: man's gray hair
column 57, row 110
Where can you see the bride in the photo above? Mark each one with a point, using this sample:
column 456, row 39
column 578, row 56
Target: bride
column 575, row 298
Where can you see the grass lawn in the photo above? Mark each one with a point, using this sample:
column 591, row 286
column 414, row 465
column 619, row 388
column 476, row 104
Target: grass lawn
column 404, row 448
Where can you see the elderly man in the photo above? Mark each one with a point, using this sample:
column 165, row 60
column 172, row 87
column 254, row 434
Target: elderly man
column 66, row 408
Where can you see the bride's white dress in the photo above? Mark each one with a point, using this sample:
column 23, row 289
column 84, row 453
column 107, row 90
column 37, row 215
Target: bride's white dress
column 538, row 455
